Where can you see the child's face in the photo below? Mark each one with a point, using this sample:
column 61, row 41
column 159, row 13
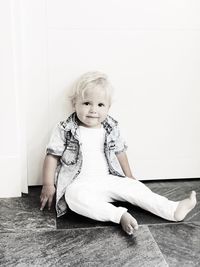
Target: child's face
column 93, row 108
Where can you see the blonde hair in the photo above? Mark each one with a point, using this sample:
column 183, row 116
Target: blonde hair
column 90, row 80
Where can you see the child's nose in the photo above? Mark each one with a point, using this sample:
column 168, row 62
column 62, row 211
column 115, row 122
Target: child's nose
column 93, row 109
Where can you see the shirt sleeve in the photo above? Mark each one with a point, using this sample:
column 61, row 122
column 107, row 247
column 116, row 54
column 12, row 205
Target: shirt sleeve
column 120, row 144
column 56, row 145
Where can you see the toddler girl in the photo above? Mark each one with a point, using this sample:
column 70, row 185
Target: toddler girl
column 86, row 156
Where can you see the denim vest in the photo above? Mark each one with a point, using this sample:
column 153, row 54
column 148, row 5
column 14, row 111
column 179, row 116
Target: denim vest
column 65, row 142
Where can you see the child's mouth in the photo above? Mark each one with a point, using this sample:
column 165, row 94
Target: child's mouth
column 91, row 117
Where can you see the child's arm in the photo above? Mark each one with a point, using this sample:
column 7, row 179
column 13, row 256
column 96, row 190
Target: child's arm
column 123, row 160
column 48, row 189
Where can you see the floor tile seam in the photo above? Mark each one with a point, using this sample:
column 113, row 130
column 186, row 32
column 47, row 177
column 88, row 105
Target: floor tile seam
column 142, row 224
column 96, row 227
column 86, row 228
column 169, row 194
column 157, row 246
column 150, row 224
column 173, row 223
column 163, row 224
column 22, row 231
column 193, row 215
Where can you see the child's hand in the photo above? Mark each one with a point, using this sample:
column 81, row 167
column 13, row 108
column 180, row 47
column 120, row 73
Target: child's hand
column 47, row 194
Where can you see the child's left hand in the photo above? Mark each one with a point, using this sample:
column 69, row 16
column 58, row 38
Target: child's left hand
column 47, row 195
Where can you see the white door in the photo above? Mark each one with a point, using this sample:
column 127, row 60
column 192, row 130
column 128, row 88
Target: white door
column 150, row 51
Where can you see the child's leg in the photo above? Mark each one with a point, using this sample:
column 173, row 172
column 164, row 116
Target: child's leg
column 137, row 193
column 90, row 201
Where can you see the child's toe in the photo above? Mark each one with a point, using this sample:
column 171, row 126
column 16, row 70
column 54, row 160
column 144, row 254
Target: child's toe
column 134, row 224
column 129, row 230
column 192, row 195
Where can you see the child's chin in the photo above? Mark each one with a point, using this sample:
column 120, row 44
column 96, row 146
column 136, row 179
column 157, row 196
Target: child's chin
column 93, row 125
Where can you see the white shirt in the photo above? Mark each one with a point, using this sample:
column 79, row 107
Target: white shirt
column 92, row 147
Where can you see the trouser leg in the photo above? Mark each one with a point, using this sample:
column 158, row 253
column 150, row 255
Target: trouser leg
column 92, row 202
column 136, row 193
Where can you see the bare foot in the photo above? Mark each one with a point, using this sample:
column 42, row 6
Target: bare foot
column 128, row 223
column 185, row 206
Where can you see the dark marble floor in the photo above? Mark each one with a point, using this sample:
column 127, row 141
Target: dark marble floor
column 29, row 237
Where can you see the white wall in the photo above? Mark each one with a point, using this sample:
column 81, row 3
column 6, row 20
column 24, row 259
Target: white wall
column 150, row 50
column 13, row 149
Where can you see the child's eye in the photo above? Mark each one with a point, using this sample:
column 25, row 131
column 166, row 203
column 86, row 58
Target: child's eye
column 101, row 105
column 86, row 103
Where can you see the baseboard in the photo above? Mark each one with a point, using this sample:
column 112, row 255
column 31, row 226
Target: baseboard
column 10, row 183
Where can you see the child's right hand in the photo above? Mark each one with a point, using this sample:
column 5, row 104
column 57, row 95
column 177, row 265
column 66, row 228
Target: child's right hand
column 47, row 195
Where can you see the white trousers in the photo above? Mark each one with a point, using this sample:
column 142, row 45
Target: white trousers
column 92, row 198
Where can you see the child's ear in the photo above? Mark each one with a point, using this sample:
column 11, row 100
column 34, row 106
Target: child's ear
column 73, row 104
